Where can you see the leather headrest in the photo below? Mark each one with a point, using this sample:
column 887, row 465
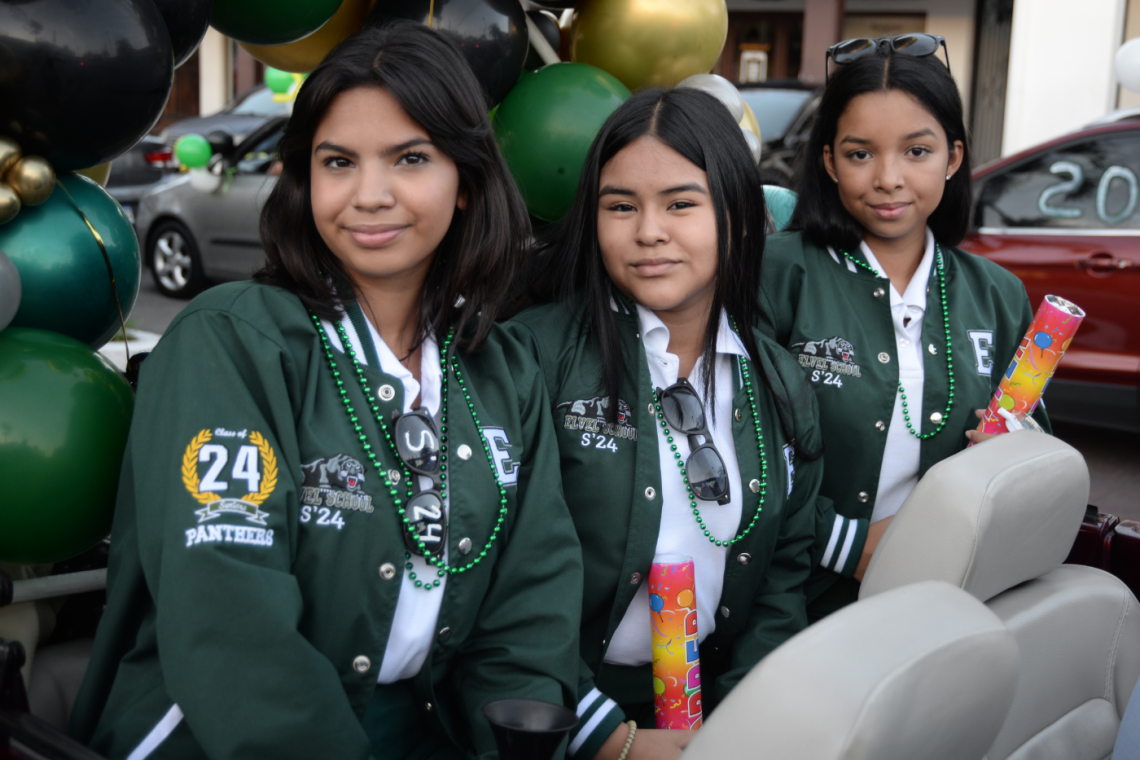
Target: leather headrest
column 924, row 671
column 986, row 519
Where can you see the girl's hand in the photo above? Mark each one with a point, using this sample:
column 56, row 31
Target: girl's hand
column 648, row 744
column 874, row 533
column 977, row 436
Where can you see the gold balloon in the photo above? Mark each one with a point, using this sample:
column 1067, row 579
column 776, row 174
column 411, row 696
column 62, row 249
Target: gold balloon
column 9, row 154
column 749, row 121
column 100, row 173
column 32, row 178
column 649, row 43
column 306, row 53
column 9, row 204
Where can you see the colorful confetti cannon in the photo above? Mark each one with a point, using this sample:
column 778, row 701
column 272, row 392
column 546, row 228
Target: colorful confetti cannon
column 1041, row 349
column 676, row 658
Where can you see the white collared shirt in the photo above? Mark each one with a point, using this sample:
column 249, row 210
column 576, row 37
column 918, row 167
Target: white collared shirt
column 417, row 611
column 898, row 474
column 679, row 533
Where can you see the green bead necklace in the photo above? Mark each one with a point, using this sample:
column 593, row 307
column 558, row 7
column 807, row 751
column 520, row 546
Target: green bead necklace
column 685, row 478
column 949, row 353
column 442, row 568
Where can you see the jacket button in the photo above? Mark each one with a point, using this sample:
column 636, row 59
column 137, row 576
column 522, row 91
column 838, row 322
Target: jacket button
column 936, row 417
column 464, row 451
column 444, row 633
column 724, row 611
column 464, row 545
column 879, row 293
column 387, row 571
column 932, row 349
column 743, row 559
column 387, row 392
column 650, row 493
column 635, row 579
column 884, row 357
column 361, row 664
column 651, row 410
column 880, row 426
column 428, row 706
column 754, row 485
column 394, row 476
column 863, row 497
column 738, row 415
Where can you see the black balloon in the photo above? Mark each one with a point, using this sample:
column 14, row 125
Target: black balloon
column 81, row 81
column 187, row 22
column 548, row 25
column 491, row 33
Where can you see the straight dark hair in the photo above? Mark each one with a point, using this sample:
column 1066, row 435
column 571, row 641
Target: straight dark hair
column 699, row 127
column 482, row 252
column 819, row 211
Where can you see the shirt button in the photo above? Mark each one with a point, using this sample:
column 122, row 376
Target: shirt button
column 884, row 357
column 464, row 545
column 879, row 293
column 650, row 493
column 932, row 349
column 444, row 633
column 387, row 392
column 743, row 559
column 635, row 579
column 904, row 342
column 864, row 497
column 880, row 426
column 936, row 417
column 754, row 486
column 361, row 664
column 724, row 611
column 464, row 451
column 387, row 571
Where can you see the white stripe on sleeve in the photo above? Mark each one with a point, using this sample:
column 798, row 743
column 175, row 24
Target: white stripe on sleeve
column 842, row 561
column 158, row 734
column 836, row 531
column 586, row 730
column 589, row 699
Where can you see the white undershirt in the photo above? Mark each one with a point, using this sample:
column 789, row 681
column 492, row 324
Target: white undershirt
column 898, row 474
column 417, row 611
column 679, row 534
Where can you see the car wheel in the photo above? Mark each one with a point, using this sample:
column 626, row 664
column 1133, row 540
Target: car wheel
column 174, row 260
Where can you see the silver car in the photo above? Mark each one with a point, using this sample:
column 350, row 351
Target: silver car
column 190, row 238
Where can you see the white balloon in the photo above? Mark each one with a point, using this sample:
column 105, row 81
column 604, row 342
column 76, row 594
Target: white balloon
column 753, row 142
column 721, row 89
column 1127, row 65
column 9, row 291
column 202, row 180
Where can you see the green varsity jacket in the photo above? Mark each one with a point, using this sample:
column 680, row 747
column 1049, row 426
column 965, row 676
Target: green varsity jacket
column 256, row 555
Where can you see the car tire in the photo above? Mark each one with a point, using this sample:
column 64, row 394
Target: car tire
column 174, row 260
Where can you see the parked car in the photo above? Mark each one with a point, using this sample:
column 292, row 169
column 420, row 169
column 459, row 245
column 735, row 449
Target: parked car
column 240, row 118
column 1064, row 216
column 190, row 238
column 785, row 110
column 138, row 170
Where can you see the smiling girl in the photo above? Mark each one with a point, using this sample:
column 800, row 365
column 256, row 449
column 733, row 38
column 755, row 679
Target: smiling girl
column 898, row 331
column 681, row 429
column 340, row 531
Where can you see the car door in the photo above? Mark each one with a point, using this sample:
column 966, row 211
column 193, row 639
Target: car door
column 1067, row 222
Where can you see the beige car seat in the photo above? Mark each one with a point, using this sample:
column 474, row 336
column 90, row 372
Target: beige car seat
column 997, row 520
column 924, row 672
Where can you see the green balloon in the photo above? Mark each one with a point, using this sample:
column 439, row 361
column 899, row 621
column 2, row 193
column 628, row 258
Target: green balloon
column 277, row 80
column 271, row 22
column 64, row 279
column 545, row 126
column 64, row 416
column 193, row 150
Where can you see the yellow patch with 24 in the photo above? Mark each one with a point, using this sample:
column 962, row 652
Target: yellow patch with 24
column 255, row 463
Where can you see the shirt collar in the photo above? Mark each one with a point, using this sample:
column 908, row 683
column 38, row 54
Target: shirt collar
column 915, row 294
column 655, row 334
column 428, row 388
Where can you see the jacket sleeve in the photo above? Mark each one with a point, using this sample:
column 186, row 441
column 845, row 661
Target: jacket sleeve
column 525, row 640
column 247, row 682
column 839, row 540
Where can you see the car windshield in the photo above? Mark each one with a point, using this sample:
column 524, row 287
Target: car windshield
column 259, row 102
column 774, row 109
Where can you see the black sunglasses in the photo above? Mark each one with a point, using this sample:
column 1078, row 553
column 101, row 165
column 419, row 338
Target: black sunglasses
column 417, row 442
column 917, row 45
column 705, row 468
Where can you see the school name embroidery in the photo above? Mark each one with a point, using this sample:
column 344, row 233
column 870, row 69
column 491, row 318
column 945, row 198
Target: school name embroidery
column 229, row 534
column 834, row 354
column 335, row 482
column 589, row 416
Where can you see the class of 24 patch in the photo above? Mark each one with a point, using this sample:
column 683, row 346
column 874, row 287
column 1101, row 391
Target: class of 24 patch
column 253, row 465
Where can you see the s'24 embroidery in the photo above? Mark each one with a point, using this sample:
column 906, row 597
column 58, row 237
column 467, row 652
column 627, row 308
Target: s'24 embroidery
column 323, row 515
column 599, row 441
column 829, row 378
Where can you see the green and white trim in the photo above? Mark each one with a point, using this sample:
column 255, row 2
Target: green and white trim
column 598, row 717
column 844, row 545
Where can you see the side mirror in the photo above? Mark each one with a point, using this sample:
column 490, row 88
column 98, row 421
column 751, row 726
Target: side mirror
column 221, row 141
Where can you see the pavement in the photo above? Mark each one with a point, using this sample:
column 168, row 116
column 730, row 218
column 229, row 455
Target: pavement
column 1113, row 456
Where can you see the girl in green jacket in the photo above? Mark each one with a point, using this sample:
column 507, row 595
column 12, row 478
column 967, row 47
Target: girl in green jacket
column 339, row 530
column 902, row 336
column 681, row 429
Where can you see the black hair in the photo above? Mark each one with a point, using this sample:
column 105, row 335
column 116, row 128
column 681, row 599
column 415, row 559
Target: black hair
column 479, row 257
column 819, row 211
column 700, row 128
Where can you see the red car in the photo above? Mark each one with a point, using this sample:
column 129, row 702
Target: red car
column 1064, row 216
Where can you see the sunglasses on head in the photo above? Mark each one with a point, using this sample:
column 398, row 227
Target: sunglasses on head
column 705, row 468
column 417, row 442
column 917, row 45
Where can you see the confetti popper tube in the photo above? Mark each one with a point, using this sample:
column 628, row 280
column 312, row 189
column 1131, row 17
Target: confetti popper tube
column 676, row 658
column 1045, row 342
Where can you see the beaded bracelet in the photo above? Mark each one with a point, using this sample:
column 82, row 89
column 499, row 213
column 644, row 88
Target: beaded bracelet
column 629, row 739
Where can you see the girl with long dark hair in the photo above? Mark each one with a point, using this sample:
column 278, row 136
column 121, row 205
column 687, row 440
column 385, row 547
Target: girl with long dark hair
column 902, row 335
column 682, row 429
column 339, row 530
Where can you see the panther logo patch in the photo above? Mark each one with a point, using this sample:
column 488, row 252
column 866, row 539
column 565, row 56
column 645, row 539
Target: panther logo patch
column 828, row 360
column 589, row 415
column 335, row 482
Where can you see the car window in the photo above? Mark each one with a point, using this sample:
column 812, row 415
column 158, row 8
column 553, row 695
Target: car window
column 774, row 109
column 260, row 102
column 256, row 159
column 1088, row 185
